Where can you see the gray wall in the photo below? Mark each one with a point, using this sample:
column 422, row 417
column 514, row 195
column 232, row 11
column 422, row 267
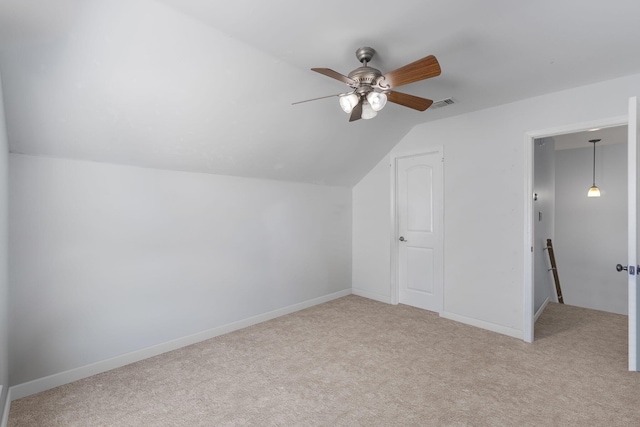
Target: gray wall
column 110, row 259
column 4, row 285
column 543, row 220
column 591, row 233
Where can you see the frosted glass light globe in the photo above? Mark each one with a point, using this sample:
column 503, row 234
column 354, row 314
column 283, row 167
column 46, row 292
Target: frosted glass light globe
column 347, row 102
column 377, row 100
column 367, row 111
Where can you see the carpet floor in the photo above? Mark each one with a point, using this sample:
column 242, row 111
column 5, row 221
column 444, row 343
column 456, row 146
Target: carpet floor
column 358, row 362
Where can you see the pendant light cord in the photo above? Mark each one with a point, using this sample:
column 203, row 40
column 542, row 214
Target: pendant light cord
column 594, row 163
column 594, row 191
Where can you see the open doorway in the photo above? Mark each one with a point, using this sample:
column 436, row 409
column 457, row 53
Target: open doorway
column 589, row 234
column 530, row 251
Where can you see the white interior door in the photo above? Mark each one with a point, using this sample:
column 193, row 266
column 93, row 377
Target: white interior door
column 633, row 250
column 419, row 224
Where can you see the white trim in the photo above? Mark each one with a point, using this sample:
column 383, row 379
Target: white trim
column 393, row 267
column 504, row 330
column 41, row 384
column 528, row 294
column 393, row 160
column 541, row 309
column 529, row 137
column 632, row 260
column 7, row 407
column 580, row 127
column 371, row 295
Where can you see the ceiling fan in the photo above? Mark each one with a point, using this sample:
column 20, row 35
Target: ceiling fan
column 370, row 89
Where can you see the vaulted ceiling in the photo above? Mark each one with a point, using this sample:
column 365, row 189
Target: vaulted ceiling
column 207, row 86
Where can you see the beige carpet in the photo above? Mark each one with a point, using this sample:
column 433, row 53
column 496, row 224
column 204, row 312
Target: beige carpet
column 357, row 362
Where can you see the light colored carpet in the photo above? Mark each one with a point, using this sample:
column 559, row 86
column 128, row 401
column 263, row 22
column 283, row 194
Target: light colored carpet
column 357, row 362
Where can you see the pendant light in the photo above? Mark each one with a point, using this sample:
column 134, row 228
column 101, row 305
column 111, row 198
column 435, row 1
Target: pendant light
column 594, row 191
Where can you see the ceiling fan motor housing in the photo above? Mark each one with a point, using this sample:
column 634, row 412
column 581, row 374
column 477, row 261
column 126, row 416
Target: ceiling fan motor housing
column 365, row 78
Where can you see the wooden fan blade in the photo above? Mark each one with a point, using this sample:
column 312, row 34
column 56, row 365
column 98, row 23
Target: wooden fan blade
column 334, row 75
column 419, row 70
column 356, row 113
column 410, row 101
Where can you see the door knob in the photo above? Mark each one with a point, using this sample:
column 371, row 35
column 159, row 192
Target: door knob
column 632, row 269
column 402, row 239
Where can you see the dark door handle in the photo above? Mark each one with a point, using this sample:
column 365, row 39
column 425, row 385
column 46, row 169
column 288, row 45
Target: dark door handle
column 632, row 269
column 402, row 239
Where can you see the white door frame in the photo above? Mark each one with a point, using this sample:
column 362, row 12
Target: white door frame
column 529, row 137
column 632, row 231
column 395, row 288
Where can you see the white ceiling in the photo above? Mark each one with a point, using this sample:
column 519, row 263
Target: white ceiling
column 205, row 86
column 607, row 136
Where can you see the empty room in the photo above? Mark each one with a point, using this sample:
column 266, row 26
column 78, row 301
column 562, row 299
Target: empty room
column 333, row 214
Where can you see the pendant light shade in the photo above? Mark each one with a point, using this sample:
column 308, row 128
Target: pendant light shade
column 594, row 191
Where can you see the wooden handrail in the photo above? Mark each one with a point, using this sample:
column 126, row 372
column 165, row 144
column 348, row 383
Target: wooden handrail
column 554, row 269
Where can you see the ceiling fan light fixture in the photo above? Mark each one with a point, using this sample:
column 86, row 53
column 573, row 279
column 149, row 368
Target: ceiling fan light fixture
column 367, row 111
column 377, row 100
column 347, row 102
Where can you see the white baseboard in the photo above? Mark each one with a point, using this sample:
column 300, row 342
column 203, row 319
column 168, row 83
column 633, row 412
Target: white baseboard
column 41, row 384
column 7, row 407
column 540, row 310
column 448, row 315
column 504, row 330
column 371, row 295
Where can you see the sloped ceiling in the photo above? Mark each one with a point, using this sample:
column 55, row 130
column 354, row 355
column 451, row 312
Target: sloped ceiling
column 207, row 86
